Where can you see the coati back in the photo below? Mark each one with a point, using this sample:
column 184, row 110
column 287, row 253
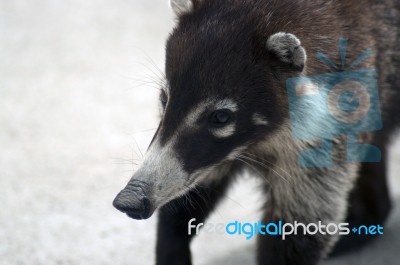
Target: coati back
column 227, row 106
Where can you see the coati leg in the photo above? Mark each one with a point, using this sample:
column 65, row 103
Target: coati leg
column 369, row 202
column 309, row 196
column 294, row 250
column 172, row 236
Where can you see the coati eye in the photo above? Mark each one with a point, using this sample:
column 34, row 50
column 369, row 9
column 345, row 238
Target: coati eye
column 220, row 117
column 163, row 98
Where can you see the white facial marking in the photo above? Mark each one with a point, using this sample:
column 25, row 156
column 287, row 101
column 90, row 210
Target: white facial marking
column 195, row 113
column 181, row 6
column 224, row 132
column 259, row 119
column 161, row 167
column 227, row 104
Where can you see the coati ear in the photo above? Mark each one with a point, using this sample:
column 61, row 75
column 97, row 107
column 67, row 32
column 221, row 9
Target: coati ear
column 287, row 48
column 181, row 7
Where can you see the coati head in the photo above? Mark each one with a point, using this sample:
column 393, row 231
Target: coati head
column 223, row 74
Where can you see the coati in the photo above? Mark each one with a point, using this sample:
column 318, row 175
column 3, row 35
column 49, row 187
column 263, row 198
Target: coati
column 226, row 106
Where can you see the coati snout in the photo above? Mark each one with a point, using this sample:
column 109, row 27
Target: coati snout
column 210, row 115
column 134, row 200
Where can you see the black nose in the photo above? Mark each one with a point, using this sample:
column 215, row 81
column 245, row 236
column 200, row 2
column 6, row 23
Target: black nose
column 134, row 201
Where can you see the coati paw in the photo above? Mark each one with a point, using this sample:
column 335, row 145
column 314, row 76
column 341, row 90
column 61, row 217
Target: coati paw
column 287, row 48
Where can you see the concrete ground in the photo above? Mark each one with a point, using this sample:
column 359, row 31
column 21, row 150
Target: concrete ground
column 76, row 95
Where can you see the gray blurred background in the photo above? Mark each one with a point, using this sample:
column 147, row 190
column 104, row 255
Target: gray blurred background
column 78, row 106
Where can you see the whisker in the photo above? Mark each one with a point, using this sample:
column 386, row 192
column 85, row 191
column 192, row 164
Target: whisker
column 145, row 81
column 153, row 63
column 123, row 159
column 158, row 76
column 269, row 162
column 130, row 171
column 195, row 201
column 144, row 130
column 264, row 165
column 223, row 194
column 137, row 145
column 135, row 153
column 205, row 199
column 125, row 163
column 149, row 59
column 256, row 170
